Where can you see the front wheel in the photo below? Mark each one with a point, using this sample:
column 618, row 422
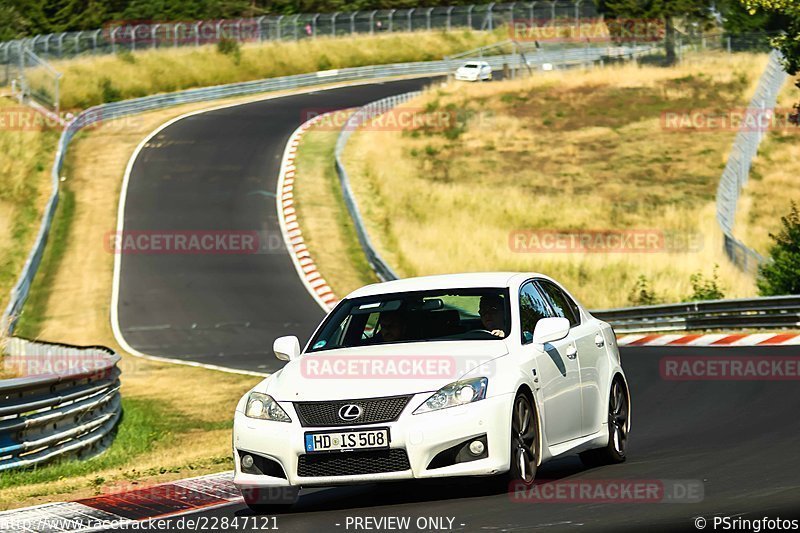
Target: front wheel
column 524, row 442
column 618, row 412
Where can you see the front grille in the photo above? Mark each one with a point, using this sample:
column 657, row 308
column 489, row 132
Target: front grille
column 352, row 463
column 375, row 410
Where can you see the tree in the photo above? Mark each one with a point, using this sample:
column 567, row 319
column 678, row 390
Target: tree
column 789, row 42
column 782, row 274
column 666, row 10
column 12, row 23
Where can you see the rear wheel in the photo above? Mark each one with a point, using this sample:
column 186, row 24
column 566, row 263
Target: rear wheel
column 524, row 441
column 618, row 411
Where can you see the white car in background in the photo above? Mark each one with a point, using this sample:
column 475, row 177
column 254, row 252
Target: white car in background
column 474, row 71
column 456, row 375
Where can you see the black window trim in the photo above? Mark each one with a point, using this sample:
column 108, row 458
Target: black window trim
column 579, row 318
column 545, row 299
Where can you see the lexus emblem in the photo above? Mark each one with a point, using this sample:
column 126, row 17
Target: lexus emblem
column 350, row 412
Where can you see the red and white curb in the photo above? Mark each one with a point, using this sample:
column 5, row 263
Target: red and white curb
column 712, row 339
column 290, row 227
column 114, row 510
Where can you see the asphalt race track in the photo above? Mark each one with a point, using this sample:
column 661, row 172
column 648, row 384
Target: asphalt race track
column 218, row 171
column 737, row 438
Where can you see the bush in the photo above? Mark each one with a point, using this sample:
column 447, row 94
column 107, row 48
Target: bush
column 706, row 289
column 643, row 293
column 230, row 47
column 126, row 56
column 782, row 274
column 109, row 92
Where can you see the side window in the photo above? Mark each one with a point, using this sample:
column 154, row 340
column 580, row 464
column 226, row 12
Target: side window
column 532, row 307
column 562, row 305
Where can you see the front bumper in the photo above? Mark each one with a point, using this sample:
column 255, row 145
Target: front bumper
column 422, row 436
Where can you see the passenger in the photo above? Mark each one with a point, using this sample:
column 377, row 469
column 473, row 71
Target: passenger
column 492, row 312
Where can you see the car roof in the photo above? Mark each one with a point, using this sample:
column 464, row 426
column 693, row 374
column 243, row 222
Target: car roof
column 444, row 281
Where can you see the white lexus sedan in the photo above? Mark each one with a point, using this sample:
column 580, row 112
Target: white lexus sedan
column 474, row 71
column 456, row 375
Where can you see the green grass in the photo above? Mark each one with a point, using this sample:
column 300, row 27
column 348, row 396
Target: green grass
column 89, row 81
column 146, row 424
column 327, row 227
column 32, row 318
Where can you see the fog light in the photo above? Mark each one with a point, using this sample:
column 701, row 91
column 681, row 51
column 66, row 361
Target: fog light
column 476, row 447
column 247, row 460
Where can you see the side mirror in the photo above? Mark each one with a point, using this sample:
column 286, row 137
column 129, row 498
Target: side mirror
column 286, row 348
column 550, row 329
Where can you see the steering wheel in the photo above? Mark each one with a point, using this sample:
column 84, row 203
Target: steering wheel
column 480, row 331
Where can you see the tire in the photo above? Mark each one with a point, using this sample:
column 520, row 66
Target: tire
column 524, row 442
column 618, row 412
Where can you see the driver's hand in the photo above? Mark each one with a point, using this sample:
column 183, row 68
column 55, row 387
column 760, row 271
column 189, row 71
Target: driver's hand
column 498, row 333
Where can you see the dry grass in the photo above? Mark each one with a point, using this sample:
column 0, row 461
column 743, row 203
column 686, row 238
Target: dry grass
column 327, row 227
column 92, row 80
column 26, row 148
column 773, row 181
column 25, row 161
column 568, row 151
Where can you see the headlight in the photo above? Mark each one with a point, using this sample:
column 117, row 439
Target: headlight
column 264, row 407
column 457, row 393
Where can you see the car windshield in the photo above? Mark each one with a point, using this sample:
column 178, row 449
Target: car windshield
column 470, row 65
column 437, row 315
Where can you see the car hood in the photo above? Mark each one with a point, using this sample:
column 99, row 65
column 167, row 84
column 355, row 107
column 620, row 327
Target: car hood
column 374, row 371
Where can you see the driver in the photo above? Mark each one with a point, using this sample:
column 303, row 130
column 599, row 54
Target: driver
column 392, row 327
column 492, row 312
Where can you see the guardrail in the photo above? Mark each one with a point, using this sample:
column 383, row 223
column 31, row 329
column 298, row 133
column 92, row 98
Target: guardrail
column 67, row 402
column 114, row 110
column 737, row 169
column 774, row 312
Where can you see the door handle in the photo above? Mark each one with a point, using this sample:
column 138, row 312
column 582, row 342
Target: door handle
column 599, row 341
column 572, row 352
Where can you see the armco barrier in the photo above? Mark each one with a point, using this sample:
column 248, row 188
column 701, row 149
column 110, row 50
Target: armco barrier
column 96, row 114
column 66, row 402
column 774, row 312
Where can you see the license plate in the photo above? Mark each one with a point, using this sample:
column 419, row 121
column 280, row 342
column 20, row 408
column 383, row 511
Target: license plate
column 342, row 441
